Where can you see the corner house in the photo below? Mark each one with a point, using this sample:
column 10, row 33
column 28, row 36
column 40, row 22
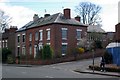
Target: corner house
column 60, row 31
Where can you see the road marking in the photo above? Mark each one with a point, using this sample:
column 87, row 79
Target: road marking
column 49, row 77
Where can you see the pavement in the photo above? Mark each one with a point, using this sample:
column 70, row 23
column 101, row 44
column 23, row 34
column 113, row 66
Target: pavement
column 88, row 71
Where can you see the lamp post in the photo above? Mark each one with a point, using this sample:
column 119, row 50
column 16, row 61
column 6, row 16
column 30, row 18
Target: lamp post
column 93, row 58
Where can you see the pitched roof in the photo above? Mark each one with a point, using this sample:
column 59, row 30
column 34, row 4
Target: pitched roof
column 95, row 28
column 55, row 18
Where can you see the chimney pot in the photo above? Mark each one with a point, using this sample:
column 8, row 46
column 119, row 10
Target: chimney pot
column 77, row 18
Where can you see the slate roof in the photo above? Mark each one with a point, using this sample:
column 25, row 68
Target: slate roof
column 55, row 18
column 95, row 28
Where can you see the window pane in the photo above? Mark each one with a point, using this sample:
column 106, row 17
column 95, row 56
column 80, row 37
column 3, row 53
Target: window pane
column 36, row 36
column 18, row 51
column 36, row 48
column 41, row 35
column 23, row 50
column 78, row 34
column 30, row 37
column 48, row 35
column 64, row 34
column 30, row 50
column 23, row 38
column 18, row 39
column 64, row 49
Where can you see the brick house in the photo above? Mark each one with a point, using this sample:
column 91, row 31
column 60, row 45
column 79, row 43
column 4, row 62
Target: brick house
column 96, row 33
column 8, row 39
column 60, row 31
column 117, row 33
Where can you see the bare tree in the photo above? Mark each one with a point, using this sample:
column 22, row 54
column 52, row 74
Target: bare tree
column 89, row 13
column 4, row 20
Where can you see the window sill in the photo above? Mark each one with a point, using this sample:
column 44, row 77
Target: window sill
column 64, row 39
column 48, row 39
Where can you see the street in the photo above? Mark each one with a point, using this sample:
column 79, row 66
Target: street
column 61, row 70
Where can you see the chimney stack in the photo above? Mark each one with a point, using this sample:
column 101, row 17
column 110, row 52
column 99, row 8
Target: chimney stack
column 35, row 17
column 67, row 13
column 77, row 18
column 13, row 28
column 6, row 30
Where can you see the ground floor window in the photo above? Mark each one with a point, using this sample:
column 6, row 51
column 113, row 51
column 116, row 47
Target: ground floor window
column 18, row 51
column 30, row 50
column 40, row 46
column 64, row 49
column 23, row 50
column 36, row 49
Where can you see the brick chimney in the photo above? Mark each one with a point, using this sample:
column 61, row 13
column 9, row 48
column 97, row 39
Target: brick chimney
column 67, row 13
column 13, row 28
column 6, row 30
column 35, row 17
column 77, row 18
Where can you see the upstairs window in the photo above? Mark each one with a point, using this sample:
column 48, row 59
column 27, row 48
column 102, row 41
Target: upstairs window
column 48, row 34
column 64, row 33
column 79, row 34
column 30, row 37
column 36, row 36
column 18, row 38
column 41, row 35
column 23, row 37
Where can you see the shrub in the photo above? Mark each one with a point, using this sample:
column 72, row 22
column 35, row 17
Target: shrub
column 10, row 59
column 5, row 53
column 98, row 44
column 47, row 52
column 81, row 50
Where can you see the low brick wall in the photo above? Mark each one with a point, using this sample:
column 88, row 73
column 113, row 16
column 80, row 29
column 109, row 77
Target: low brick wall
column 86, row 55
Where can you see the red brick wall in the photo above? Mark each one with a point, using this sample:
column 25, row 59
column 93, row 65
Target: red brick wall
column 20, row 43
column 55, row 37
column 117, row 34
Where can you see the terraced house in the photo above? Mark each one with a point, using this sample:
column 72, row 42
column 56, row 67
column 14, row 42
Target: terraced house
column 60, row 31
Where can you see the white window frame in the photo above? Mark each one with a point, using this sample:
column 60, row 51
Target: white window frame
column 35, row 50
column 3, row 43
column 66, row 34
column 22, row 37
column 17, row 38
column 48, row 43
column 40, row 45
column 65, row 45
column 48, row 36
column 36, row 36
column 76, row 33
column 41, row 35
column 30, row 50
column 30, row 36
column 6, row 43
column 23, row 50
column 17, row 51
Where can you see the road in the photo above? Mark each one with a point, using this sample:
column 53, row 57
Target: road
column 61, row 70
